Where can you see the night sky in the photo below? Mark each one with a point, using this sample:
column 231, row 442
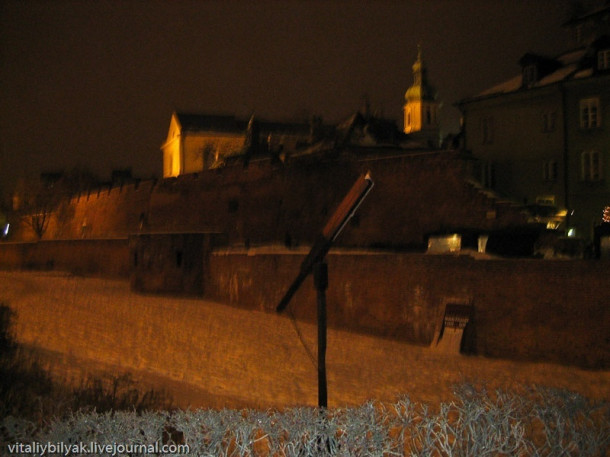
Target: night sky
column 93, row 83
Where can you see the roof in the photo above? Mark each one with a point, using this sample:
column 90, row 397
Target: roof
column 571, row 65
column 199, row 122
column 228, row 123
column 359, row 128
column 584, row 17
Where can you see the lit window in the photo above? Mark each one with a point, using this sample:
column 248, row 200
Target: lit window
column 548, row 121
column 549, row 170
column 590, row 116
column 487, row 130
column 545, row 200
column 591, row 166
column 603, row 60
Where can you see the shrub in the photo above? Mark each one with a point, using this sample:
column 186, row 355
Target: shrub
column 538, row 422
column 28, row 392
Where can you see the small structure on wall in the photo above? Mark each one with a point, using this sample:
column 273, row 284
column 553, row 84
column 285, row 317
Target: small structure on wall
column 170, row 262
column 456, row 333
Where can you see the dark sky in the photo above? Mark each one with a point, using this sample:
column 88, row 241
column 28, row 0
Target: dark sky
column 92, row 83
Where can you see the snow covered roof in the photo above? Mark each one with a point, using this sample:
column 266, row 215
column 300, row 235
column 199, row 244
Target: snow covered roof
column 511, row 85
column 571, row 56
column 571, row 65
column 587, row 16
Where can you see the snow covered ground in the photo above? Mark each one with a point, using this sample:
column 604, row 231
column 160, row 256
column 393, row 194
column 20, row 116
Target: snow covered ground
column 210, row 354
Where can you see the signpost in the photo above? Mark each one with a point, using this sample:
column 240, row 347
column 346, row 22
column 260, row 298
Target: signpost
column 315, row 263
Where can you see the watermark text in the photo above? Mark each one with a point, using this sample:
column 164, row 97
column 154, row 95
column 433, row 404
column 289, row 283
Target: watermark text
column 36, row 448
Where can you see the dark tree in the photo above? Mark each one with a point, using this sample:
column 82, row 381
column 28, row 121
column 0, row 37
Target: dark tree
column 35, row 201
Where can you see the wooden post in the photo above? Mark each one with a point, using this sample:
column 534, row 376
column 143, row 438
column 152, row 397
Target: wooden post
column 314, row 263
column 320, row 277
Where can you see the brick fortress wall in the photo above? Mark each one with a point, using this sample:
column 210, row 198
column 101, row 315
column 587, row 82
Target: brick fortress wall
column 414, row 195
column 523, row 309
column 108, row 257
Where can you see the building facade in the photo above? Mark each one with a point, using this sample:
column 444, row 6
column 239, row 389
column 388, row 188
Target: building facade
column 543, row 137
column 197, row 142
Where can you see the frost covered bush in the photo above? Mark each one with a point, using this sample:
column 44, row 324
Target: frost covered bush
column 539, row 422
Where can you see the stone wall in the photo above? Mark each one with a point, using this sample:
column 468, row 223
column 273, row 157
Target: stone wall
column 414, row 195
column 170, row 262
column 105, row 257
column 523, row 309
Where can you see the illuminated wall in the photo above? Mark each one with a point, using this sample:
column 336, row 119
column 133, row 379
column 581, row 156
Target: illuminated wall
column 193, row 152
column 171, row 158
column 202, row 151
column 200, row 142
column 421, row 108
column 421, row 115
column 414, row 195
column 172, row 151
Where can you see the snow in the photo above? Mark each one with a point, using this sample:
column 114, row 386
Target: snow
column 558, row 75
column 587, row 72
column 511, row 85
column 572, row 56
column 571, row 63
column 210, row 354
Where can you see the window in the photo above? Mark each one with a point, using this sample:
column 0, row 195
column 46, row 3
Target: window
column 546, row 200
column 488, row 174
column 530, row 75
column 603, row 60
column 591, row 166
column 487, row 130
column 549, row 170
column 590, row 116
column 549, row 120
column 233, row 206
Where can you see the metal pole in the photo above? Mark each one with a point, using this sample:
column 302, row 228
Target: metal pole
column 320, row 277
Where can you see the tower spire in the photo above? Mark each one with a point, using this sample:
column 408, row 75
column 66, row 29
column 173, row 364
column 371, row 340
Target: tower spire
column 421, row 107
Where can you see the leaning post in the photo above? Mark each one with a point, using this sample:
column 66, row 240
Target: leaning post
column 315, row 263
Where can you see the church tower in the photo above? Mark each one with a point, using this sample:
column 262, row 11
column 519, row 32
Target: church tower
column 421, row 107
